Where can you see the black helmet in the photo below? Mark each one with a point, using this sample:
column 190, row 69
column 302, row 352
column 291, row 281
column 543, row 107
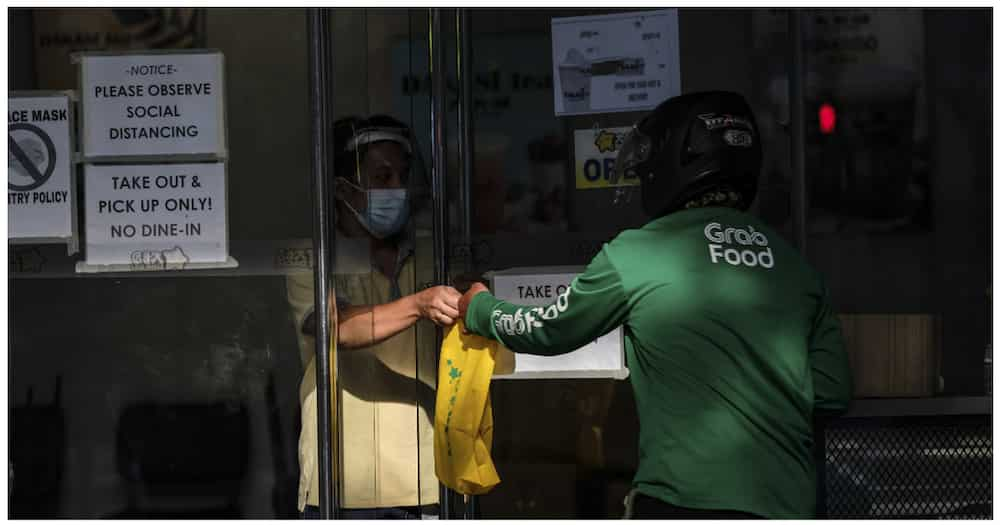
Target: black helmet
column 690, row 144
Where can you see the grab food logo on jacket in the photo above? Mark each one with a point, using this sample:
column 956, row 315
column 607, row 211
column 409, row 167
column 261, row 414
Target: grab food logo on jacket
column 524, row 320
column 738, row 246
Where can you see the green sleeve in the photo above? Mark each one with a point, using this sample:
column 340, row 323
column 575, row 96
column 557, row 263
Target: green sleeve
column 593, row 305
column 831, row 371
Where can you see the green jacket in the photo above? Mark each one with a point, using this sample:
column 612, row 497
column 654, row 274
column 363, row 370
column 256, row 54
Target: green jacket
column 731, row 344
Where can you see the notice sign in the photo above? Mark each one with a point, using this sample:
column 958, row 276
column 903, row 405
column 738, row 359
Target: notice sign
column 39, row 167
column 610, row 63
column 604, row 357
column 152, row 104
column 155, row 215
column 595, row 151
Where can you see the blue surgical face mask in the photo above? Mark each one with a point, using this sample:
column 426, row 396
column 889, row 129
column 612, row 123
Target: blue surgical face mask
column 387, row 213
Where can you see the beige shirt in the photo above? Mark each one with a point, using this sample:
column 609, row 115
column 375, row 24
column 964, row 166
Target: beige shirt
column 387, row 439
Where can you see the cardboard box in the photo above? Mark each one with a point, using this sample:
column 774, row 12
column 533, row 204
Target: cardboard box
column 893, row 355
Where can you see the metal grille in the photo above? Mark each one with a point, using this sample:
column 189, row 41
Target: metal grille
column 907, row 468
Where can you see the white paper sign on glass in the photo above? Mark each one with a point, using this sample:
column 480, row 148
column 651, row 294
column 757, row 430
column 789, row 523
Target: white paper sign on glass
column 614, row 63
column 39, row 167
column 539, row 286
column 152, row 104
column 155, row 215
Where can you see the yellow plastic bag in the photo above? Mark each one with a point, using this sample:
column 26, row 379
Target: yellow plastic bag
column 463, row 419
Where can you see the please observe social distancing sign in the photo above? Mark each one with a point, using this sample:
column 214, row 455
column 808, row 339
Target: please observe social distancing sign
column 145, row 105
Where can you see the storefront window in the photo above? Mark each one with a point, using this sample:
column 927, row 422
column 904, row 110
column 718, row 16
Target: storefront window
column 168, row 393
column 191, row 391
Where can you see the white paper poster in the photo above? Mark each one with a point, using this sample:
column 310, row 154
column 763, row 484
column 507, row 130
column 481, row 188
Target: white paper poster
column 155, row 215
column 39, row 167
column 154, row 104
column 613, row 63
column 604, row 357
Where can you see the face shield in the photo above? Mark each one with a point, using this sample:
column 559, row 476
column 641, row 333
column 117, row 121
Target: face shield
column 372, row 134
column 369, row 135
column 417, row 181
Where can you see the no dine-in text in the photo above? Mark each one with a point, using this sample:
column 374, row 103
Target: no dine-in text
column 149, row 206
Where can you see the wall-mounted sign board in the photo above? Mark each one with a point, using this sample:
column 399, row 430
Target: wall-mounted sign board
column 155, row 217
column 143, row 106
column 613, row 63
column 41, row 196
column 602, row 358
column 595, row 152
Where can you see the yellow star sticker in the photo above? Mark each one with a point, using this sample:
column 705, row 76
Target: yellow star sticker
column 606, row 142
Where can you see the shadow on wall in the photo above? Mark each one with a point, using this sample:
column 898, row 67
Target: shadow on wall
column 38, row 457
column 572, row 455
column 183, row 460
column 235, row 368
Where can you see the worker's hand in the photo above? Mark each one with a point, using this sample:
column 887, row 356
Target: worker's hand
column 439, row 304
column 463, row 304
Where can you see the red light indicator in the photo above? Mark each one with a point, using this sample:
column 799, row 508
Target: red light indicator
column 827, row 119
